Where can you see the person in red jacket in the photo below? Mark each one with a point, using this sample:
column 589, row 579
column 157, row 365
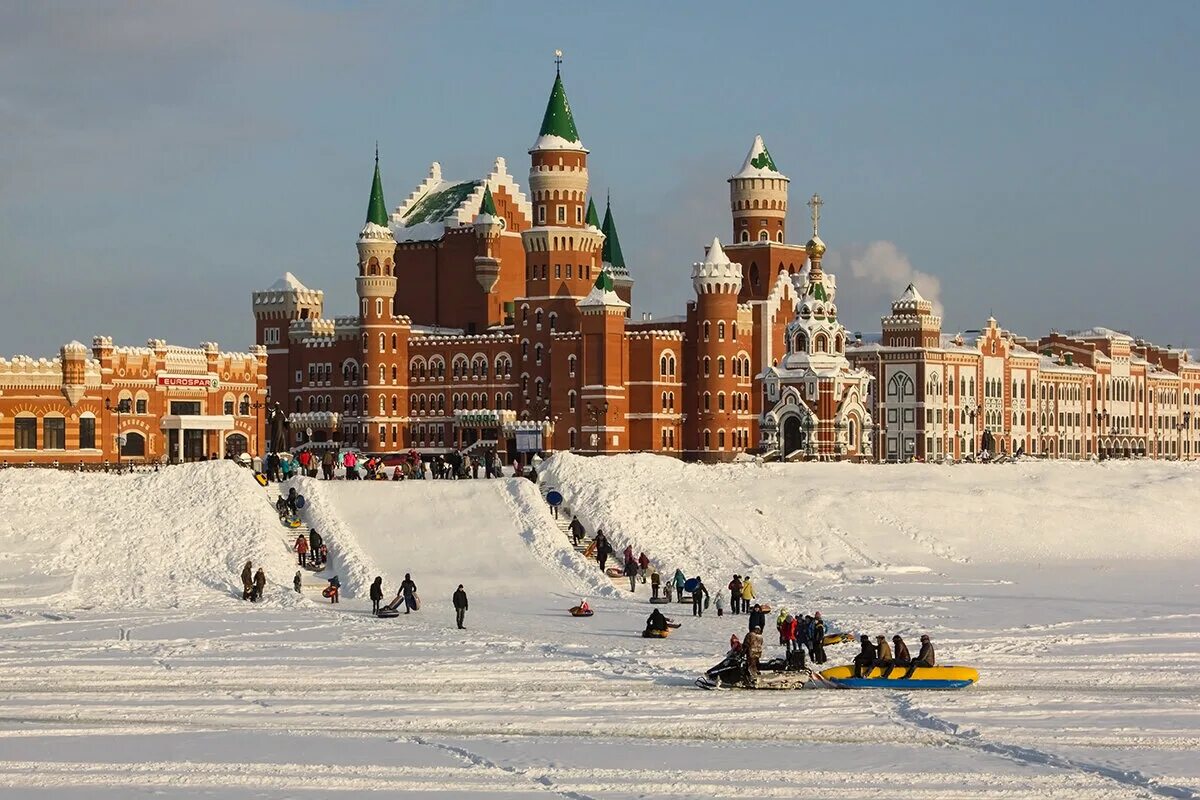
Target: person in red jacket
column 644, row 565
column 301, row 548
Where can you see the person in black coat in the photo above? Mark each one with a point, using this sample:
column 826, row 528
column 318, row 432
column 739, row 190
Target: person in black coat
column 656, row 621
column 865, row 660
column 699, row 598
column 376, row 594
column 603, row 548
column 758, row 619
column 460, row 606
column 314, row 547
column 900, row 655
column 818, row 639
column 408, row 588
column 735, row 595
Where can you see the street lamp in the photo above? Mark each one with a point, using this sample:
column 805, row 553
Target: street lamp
column 258, row 406
column 122, row 407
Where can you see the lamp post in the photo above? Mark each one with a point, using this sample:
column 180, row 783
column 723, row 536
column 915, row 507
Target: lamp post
column 258, row 406
column 122, row 407
column 808, row 431
column 594, row 413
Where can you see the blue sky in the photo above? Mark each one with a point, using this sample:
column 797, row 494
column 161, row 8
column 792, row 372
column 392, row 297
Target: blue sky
column 1038, row 161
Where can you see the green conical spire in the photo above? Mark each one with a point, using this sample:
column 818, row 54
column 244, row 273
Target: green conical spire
column 376, row 208
column 592, row 218
column 558, row 120
column 604, row 281
column 488, row 206
column 611, row 254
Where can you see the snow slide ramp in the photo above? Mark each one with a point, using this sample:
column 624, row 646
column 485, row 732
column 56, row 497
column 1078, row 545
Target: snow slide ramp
column 497, row 537
column 173, row 538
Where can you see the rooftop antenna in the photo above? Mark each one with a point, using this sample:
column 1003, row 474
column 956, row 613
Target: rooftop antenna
column 558, row 62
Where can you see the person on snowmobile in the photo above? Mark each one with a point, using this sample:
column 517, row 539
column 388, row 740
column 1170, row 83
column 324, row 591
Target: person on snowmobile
column 656, row 621
column 865, row 660
column 900, row 657
column 376, row 594
column 925, row 658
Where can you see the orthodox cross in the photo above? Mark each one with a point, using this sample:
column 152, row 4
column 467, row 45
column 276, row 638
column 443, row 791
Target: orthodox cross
column 557, row 61
column 815, row 204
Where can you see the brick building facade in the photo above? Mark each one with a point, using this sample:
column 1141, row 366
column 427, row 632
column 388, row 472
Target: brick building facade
column 488, row 312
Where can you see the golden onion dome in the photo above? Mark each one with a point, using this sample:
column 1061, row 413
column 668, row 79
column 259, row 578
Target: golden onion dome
column 815, row 247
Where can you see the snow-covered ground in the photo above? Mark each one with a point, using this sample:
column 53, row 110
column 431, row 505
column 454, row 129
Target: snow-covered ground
column 130, row 667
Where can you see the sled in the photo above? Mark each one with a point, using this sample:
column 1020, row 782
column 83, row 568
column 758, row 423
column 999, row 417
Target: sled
column 591, row 550
column 300, row 501
column 261, row 478
column 690, row 585
column 672, row 624
column 291, row 522
column 415, row 605
column 576, row 611
column 388, row 613
column 649, row 634
column 837, row 638
column 922, row 678
column 615, row 572
column 311, row 567
column 328, row 591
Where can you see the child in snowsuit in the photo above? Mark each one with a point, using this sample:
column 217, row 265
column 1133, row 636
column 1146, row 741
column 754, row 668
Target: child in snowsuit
column 720, row 604
column 333, row 589
column 296, row 582
column 301, row 548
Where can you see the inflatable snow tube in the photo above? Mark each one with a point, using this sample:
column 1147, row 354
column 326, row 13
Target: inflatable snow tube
column 922, row 678
column 658, row 601
column 388, row 613
column 691, row 584
column 837, row 638
column 328, row 591
column 576, row 611
column 615, row 572
column 649, row 634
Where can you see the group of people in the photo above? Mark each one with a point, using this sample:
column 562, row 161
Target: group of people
column 311, row 550
column 406, row 594
column 741, row 594
column 803, row 634
column 886, row 659
column 253, row 583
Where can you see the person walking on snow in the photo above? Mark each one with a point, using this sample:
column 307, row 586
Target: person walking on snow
column 643, row 565
column 301, row 548
column 376, row 594
column 720, row 603
column 735, row 595
column 699, row 598
column 655, row 582
column 631, row 571
column 576, row 530
column 314, row 546
column 753, row 647
column 408, row 589
column 460, row 606
column 260, row 583
column 603, row 548
column 679, row 579
column 247, row 580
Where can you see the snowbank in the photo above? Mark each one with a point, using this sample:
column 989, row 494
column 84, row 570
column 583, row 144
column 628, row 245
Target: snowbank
column 495, row 536
column 821, row 517
column 178, row 537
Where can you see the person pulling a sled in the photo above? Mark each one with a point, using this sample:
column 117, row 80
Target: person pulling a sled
column 333, row 590
column 409, row 589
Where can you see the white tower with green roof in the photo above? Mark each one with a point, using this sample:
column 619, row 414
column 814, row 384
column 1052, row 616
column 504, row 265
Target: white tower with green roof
column 758, row 198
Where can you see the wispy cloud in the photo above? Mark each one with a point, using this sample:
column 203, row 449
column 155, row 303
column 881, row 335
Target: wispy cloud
column 871, row 276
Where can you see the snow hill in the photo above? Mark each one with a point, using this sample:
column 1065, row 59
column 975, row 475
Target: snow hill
column 848, row 518
column 495, row 536
column 178, row 537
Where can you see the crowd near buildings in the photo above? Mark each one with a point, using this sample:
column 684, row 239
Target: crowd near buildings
column 495, row 317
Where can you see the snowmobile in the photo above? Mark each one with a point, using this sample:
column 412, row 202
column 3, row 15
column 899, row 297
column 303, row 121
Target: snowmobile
column 777, row 673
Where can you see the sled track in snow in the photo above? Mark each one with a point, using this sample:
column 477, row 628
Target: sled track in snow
column 906, row 713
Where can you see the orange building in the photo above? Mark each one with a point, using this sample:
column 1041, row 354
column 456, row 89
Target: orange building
column 153, row 404
column 495, row 318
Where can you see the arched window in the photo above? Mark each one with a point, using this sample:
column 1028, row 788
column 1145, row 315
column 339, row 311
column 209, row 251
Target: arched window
column 571, row 366
column 706, row 366
column 721, row 331
column 553, row 316
column 135, row 444
column 707, row 401
column 721, row 366
column 537, row 353
column 571, row 401
column 707, row 439
column 763, row 236
column 364, row 342
column 393, row 342
column 381, row 342
column 706, row 329
column 720, row 401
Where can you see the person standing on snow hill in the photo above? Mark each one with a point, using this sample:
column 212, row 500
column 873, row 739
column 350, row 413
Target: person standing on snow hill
column 643, row 565
column 460, row 606
column 576, row 530
column 735, row 595
column 818, row 639
column 260, row 583
column 603, row 548
column 655, row 582
column 720, row 604
column 699, row 598
column 301, row 548
column 247, row 580
column 631, row 571
column 314, row 545
column 376, row 594
column 408, row 589
column 679, row 580
column 758, row 619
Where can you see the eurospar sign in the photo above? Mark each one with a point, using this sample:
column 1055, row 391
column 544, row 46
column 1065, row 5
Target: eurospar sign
column 206, row 382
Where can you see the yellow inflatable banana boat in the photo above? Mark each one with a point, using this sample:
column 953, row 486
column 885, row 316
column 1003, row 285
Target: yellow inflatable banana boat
column 922, row 678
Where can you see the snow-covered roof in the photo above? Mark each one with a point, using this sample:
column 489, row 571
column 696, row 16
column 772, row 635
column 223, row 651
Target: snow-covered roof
column 910, row 295
column 288, row 282
column 602, row 293
column 758, row 163
column 1100, row 332
column 438, row 204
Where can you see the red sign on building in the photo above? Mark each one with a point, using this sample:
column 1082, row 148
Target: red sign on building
column 189, row 381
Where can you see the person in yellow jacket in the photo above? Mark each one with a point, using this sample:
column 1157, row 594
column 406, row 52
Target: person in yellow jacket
column 779, row 620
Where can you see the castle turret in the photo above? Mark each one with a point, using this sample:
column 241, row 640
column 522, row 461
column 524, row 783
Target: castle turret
column 611, row 257
column 717, row 281
column 487, row 230
column 74, row 358
column 606, row 367
column 758, row 198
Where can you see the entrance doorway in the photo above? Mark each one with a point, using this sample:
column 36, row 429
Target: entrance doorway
column 193, row 445
column 793, row 436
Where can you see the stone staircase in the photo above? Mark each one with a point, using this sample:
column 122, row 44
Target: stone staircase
column 312, row 583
